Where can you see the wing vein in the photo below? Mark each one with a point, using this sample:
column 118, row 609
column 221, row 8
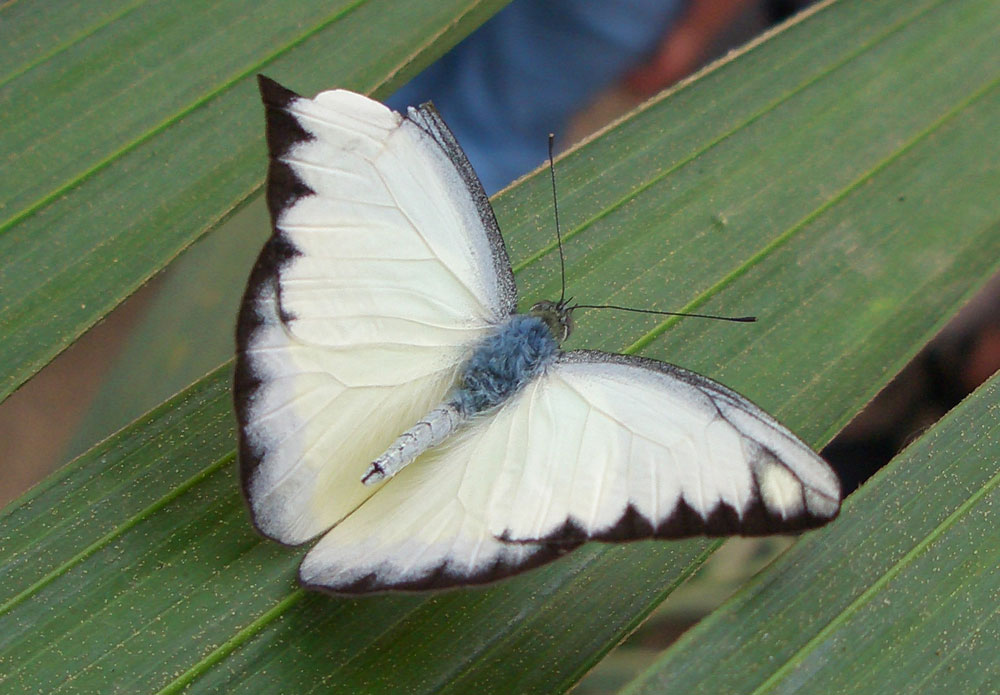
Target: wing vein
column 259, row 417
column 599, row 493
column 359, row 422
column 471, row 292
column 355, row 132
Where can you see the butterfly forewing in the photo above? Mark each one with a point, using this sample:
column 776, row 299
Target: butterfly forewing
column 638, row 448
column 379, row 276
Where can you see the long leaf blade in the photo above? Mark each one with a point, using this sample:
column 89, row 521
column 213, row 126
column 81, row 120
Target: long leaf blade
column 899, row 596
column 129, row 144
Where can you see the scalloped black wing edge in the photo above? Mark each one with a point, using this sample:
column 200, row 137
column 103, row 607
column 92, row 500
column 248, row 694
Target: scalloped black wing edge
column 684, row 521
column 283, row 189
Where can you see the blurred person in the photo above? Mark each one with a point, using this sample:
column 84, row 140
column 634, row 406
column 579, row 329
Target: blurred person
column 530, row 68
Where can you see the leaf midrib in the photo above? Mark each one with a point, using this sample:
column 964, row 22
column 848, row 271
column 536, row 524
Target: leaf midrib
column 114, row 533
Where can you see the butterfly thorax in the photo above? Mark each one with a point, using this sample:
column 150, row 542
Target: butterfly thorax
column 499, row 366
column 502, row 363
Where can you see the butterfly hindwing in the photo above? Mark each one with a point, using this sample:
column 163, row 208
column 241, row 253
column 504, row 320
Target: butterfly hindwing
column 602, row 447
column 383, row 269
column 623, row 447
column 425, row 529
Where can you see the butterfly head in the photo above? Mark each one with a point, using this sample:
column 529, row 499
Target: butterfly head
column 558, row 316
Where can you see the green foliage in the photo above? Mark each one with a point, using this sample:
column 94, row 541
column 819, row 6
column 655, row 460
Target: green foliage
column 900, row 596
column 838, row 179
column 140, row 130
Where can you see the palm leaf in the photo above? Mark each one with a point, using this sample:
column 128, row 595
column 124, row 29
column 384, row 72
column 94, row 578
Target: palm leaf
column 131, row 134
column 837, row 179
column 900, row 596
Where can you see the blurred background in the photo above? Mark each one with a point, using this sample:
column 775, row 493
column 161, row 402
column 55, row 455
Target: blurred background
column 563, row 66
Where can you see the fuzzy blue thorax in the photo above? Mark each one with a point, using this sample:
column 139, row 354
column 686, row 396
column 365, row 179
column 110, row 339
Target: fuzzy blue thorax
column 503, row 363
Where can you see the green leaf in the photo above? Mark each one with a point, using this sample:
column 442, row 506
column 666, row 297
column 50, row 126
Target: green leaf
column 899, row 596
column 141, row 130
column 838, row 180
column 185, row 328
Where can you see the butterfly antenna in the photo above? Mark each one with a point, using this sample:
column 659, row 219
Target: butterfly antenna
column 740, row 319
column 562, row 266
column 555, row 208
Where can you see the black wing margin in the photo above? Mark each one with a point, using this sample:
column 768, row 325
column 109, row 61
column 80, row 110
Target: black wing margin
column 259, row 306
column 427, row 118
column 790, row 487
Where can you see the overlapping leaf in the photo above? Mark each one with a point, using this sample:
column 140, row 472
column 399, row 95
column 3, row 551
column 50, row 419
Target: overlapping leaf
column 137, row 128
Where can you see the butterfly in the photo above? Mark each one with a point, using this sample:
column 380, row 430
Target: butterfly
column 391, row 401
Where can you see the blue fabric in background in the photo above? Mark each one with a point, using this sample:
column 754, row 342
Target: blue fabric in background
column 526, row 71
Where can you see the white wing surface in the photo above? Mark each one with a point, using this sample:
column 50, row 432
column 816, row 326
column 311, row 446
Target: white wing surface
column 425, row 529
column 603, row 447
column 620, row 447
column 384, row 268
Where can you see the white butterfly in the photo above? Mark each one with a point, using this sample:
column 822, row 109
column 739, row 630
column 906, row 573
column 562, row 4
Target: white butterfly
column 385, row 298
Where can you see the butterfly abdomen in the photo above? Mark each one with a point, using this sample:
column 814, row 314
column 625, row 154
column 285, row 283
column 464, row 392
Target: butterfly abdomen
column 500, row 365
column 432, row 429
